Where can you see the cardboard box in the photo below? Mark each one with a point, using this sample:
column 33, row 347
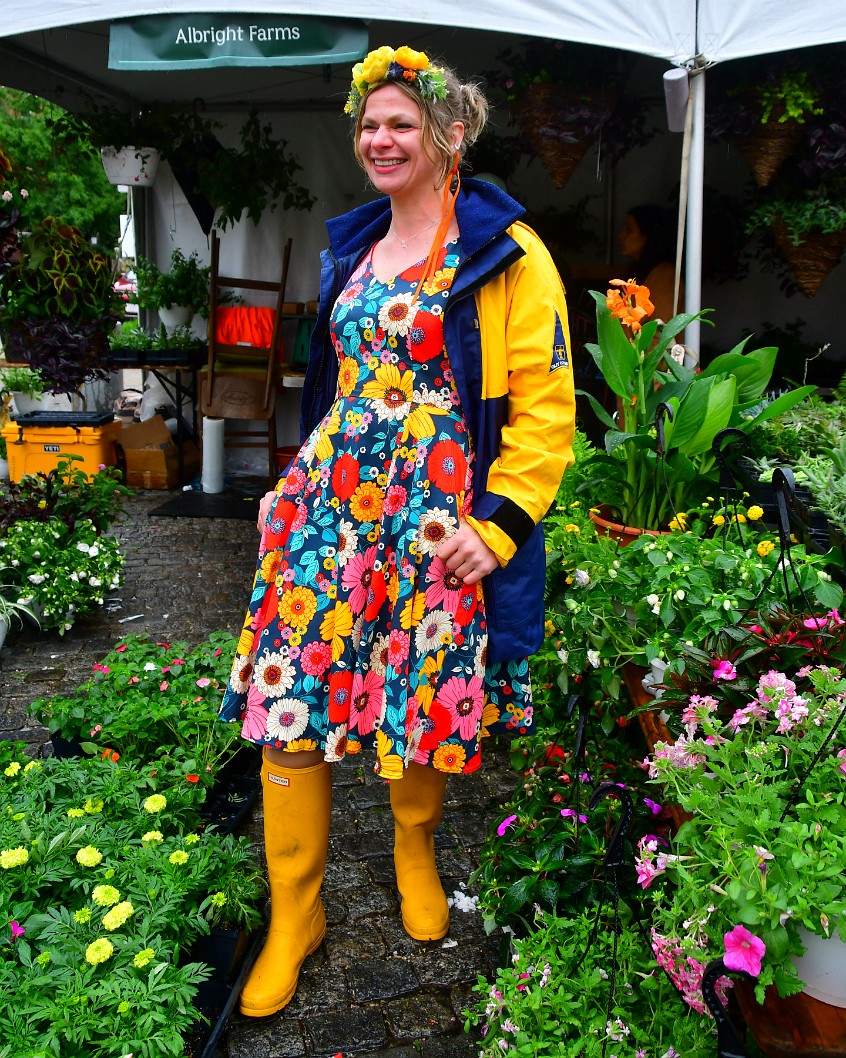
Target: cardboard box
column 152, row 458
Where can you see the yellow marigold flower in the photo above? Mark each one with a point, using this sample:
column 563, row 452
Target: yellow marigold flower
column 679, row 522
column 155, row 803
column 755, row 512
column 13, row 769
column 218, row 899
column 739, row 518
column 178, row 857
column 14, row 857
column 192, row 839
column 571, row 527
column 89, row 856
column 32, row 764
column 82, row 916
column 765, row 547
column 718, row 519
column 115, row 918
column 143, row 958
column 99, row 951
column 105, row 895
column 75, row 813
column 152, row 837
column 124, row 1007
column 93, row 806
column 549, row 628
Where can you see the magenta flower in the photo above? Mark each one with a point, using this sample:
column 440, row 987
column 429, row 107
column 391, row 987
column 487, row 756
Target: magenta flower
column 744, row 951
column 504, row 825
column 571, row 813
column 724, row 670
column 204, row 681
column 653, row 806
column 17, row 930
column 120, row 649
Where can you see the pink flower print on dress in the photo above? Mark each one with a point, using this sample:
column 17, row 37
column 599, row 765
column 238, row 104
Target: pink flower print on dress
column 465, row 700
column 368, row 696
column 255, row 715
column 445, row 587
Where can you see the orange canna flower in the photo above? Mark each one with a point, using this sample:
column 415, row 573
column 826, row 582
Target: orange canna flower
column 631, row 304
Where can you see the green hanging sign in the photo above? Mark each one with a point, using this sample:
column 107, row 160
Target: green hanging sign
column 195, row 42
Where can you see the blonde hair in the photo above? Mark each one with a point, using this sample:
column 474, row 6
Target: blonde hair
column 463, row 102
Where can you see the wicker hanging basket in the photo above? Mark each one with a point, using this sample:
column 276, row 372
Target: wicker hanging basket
column 811, row 261
column 768, row 146
column 539, row 113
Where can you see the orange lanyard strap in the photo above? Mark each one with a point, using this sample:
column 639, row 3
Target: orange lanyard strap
column 447, row 213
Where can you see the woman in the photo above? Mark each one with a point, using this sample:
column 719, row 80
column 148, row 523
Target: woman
column 648, row 237
column 399, row 588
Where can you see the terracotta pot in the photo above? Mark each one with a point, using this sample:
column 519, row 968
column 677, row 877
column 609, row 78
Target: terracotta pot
column 623, row 534
column 795, row 1027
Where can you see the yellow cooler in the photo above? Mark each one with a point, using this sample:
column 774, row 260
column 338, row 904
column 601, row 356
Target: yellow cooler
column 37, row 442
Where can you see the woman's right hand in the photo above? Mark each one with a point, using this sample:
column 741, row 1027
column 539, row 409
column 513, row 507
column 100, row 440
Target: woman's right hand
column 264, row 509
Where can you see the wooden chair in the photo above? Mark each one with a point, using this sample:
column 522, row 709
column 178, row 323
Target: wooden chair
column 245, row 355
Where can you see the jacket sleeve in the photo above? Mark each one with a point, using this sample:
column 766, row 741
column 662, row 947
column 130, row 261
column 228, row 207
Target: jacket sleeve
column 529, row 359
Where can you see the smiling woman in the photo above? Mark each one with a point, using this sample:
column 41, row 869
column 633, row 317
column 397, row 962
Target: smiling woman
column 404, row 590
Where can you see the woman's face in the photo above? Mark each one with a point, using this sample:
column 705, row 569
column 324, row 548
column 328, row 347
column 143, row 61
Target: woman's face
column 391, row 145
column 632, row 239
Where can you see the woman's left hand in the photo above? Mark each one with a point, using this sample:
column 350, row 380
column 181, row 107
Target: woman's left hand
column 467, row 555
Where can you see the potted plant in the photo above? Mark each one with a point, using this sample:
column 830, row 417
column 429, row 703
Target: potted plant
column 255, row 177
column 131, row 344
column 11, row 608
column 59, row 307
column 177, row 293
column 562, row 96
column 660, row 460
column 756, row 874
column 112, row 879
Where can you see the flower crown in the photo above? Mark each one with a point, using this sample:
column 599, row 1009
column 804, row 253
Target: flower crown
column 404, row 64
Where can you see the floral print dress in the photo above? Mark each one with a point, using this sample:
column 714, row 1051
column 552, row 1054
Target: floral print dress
column 357, row 635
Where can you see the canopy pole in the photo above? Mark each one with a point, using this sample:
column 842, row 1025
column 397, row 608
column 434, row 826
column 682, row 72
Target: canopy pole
column 695, row 197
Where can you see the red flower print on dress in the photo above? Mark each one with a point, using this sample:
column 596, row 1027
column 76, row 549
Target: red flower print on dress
column 426, row 337
column 368, row 695
column 294, row 481
column 345, row 476
column 397, row 647
column 316, row 658
column 437, row 726
column 467, row 604
column 358, row 577
column 376, row 594
column 255, row 715
column 340, row 696
column 395, row 499
column 447, row 466
column 279, row 527
column 445, row 587
column 465, row 700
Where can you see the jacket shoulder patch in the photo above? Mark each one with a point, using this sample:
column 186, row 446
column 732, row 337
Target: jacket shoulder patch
column 560, row 357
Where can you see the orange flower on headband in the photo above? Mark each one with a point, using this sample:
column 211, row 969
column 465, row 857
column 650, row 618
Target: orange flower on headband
column 386, row 64
column 631, row 305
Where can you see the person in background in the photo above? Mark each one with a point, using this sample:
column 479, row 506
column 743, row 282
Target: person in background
column 399, row 588
column 648, row 237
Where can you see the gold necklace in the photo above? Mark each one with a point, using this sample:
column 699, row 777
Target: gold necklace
column 404, row 242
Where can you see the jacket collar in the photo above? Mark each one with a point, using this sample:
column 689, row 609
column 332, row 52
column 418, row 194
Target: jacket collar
column 482, row 210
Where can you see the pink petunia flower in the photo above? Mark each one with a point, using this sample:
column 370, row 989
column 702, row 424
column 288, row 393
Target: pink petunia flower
column 744, row 951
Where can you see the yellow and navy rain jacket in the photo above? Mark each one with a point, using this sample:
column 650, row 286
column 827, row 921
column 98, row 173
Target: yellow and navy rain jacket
column 507, row 338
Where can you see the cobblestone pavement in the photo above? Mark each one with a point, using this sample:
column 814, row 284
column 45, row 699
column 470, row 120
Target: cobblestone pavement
column 369, row 991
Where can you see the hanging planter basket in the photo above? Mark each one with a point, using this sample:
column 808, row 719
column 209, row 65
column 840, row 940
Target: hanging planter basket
column 768, row 146
column 815, row 256
column 136, row 166
column 540, row 114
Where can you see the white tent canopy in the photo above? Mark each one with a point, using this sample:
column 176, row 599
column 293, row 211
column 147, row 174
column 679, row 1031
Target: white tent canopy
column 675, row 30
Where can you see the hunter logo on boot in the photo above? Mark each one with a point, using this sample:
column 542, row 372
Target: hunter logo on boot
column 280, row 780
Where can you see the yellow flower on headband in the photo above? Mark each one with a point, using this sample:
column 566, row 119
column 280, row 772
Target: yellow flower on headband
column 405, row 64
column 411, row 59
column 376, row 64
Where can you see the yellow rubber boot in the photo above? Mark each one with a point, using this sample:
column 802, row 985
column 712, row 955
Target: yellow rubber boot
column 297, row 806
column 417, row 801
